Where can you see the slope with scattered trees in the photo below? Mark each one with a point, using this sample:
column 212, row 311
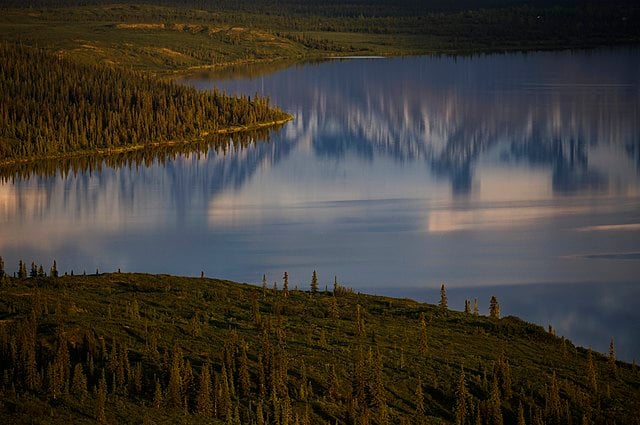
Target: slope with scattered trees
column 134, row 348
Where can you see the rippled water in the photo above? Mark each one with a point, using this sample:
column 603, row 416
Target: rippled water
column 515, row 175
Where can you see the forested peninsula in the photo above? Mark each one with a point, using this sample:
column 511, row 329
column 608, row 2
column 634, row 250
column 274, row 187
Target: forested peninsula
column 52, row 106
column 138, row 348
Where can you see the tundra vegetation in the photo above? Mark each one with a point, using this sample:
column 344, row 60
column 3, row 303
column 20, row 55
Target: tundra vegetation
column 139, row 348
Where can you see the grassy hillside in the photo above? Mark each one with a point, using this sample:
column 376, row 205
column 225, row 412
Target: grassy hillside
column 136, row 348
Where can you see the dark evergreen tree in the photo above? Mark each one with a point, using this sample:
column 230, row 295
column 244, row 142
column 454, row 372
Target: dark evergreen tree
column 54, row 270
column 521, row 420
column 79, row 384
column 553, row 404
column 494, row 308
column 285, row 285
column 314, row 283
column 22, row 270
column 592, row 375
column 101, row 400
column 423, row 335
column 158, row 399
column 243, row 372
column 444, row 304
column 461, row 400
column 612, row 357
column 495, row 405
column 174, row 393
column 332, row 385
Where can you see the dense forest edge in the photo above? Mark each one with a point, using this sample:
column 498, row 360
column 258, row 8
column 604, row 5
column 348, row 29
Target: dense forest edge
column 53, row 107
column 140, row 348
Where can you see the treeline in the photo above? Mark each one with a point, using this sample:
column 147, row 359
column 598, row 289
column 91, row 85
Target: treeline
column 52, row 106
column 74, row 165
column 140, row 348
column 320, row 7
column 614, row 21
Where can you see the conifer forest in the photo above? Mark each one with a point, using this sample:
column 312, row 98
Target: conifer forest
column 53, row 106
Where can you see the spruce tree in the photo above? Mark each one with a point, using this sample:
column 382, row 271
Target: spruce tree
column 461, row 400
column 467, row 306
column 475, row 307
column 22, row 270
column 204, row 404
column 314, row 283
column 188, row 385
column 54, row 270
column 591, row 372
column 158, row 398
column 101, row 399
column 496, row 405
column 494, row 308
column 79, row 384
column 285, row 285
column 243, row 372
column 360, row 377
column 553, row 401
column 264, row 286
column 612, row 357
column 259, row 413
column 175, row 389
column 378, row 398
column 1, row 268
column 423, row 335
column 444, row 304
column 332, row 384
column 521, row 420
column 255, row 310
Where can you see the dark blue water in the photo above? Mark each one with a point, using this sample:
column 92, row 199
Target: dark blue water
column 509, row 175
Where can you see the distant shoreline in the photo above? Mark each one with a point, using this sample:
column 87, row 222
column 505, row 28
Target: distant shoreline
column 139, row 147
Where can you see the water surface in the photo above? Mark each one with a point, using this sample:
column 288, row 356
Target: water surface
column 515, row 175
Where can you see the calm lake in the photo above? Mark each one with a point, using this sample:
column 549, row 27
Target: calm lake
column 510, row 175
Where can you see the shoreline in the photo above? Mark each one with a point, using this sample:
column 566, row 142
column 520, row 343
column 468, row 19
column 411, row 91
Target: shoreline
column 133, row 148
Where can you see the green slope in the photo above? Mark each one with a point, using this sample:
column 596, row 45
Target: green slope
column 296, row 357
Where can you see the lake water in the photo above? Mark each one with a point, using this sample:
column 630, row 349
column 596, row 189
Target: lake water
column 516, row 175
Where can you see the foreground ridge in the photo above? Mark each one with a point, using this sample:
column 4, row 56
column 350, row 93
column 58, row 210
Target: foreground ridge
column 130, row 348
